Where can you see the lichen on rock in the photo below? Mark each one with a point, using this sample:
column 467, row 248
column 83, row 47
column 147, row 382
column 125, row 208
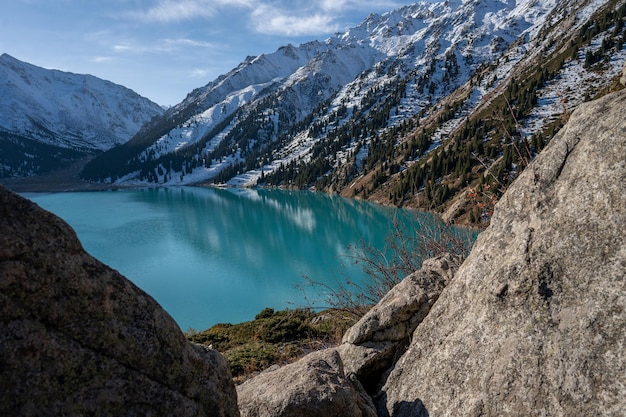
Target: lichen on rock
column 316, row 385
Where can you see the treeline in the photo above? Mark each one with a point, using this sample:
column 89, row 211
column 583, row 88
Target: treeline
column 474, row 147
column 611, row 23
column 22, row 157
column 262, row 129
column 123, row 159
column 337, row 134
column 368, row 126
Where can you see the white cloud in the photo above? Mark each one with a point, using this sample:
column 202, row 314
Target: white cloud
column 172, row 10
column 333, row 5
column 126, row 48
column 199, row 73
column 270, row 20
column 161, row 46
column 177, row 10
column 187, row 42
column 347, row 5
column 311, row 17
column 97, row 36
column 102, row 59
column 275, row 17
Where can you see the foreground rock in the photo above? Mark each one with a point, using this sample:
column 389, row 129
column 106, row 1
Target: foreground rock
column 370, row 346
column 534, row 322
column 77, row 338
column 314, row 386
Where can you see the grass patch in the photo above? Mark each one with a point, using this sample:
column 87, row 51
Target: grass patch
column 273, row 338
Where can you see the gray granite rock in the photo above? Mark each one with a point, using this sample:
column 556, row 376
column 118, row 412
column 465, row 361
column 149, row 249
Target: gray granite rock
column 77, row 338
column 380, row 337
column 314, row 386
column 534, row 322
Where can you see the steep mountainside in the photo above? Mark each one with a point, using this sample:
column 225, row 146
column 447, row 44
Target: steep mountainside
column 532, row 323
column 47, row 116
column 411, row 107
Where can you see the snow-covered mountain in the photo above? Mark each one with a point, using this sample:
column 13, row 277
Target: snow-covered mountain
column 76, row 113
column 362, row 110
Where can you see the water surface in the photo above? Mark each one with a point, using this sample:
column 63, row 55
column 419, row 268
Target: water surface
column 222, row 255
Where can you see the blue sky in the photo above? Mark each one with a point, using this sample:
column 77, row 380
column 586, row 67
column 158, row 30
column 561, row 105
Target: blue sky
column 163, row 49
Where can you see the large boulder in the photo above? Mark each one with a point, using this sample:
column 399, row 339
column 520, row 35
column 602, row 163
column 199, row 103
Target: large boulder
column 314, row 386
column 534, row 322
column 77, row 338
column 369, row 347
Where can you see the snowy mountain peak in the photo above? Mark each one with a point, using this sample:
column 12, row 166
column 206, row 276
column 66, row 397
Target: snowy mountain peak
column 68, row 110
column 367, row 112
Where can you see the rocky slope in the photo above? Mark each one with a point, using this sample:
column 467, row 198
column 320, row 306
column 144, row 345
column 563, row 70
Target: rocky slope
column 281, row 107
column 80, row 339
column 414, row 107
column 47, row 116
column 532, row 323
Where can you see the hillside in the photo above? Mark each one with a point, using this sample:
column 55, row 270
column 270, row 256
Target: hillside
column 49, row 118
column 434, row 105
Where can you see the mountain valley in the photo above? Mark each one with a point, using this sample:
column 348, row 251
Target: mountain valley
column 437, row 106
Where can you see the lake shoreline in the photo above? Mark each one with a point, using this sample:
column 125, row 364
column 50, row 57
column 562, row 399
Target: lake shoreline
column 67, row 179
column 195, row 248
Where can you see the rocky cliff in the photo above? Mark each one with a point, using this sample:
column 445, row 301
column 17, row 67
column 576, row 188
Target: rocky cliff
column 77, row 338
column 532, row 323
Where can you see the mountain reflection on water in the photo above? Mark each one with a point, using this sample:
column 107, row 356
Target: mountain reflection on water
column 222, row 255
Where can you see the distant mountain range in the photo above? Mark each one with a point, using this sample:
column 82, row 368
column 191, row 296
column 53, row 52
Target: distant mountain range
column 47, row 116
column 434, row 105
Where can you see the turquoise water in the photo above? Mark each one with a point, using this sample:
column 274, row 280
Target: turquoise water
column 222, row 255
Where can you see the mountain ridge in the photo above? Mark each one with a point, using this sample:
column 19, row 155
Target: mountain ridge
column 51, row 111
column 355, row 113
column 378, row 37
column 436, row 106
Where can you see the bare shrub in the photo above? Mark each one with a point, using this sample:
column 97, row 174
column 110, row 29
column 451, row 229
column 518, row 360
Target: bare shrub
column 403, row 253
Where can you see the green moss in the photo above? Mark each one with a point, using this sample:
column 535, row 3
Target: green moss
column 273, row 337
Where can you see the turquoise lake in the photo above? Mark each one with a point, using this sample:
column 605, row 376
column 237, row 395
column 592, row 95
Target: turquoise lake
column 222, row 255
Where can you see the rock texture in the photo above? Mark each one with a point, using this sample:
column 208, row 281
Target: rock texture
column 314, row 386
column 534, row 322
column 370, row 346
column 331, row 382
column 77, row 338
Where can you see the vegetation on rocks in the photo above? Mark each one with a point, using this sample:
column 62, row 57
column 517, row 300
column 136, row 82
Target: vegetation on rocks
column 403, row 253
column 273, row 337
column 280, row 337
